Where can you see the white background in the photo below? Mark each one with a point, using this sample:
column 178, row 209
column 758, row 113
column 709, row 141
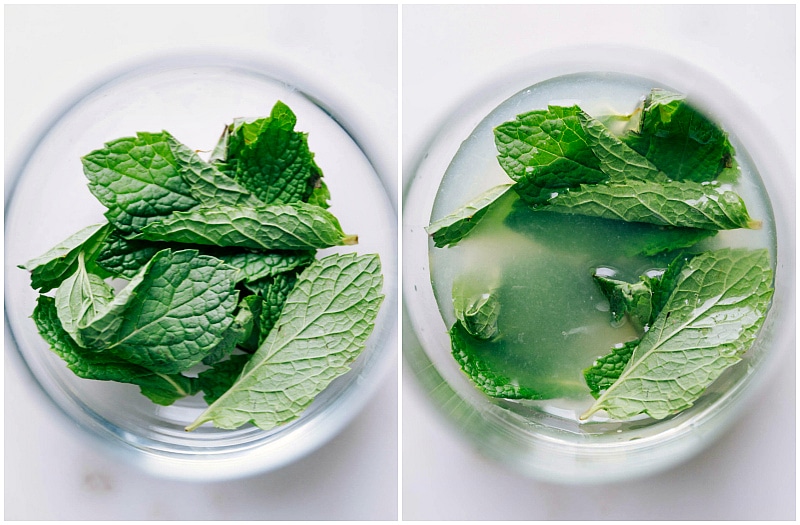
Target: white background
column 52, row 52
column 450, row 50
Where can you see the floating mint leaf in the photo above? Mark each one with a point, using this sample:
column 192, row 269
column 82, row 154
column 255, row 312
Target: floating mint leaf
column 452, row 228
column 711, row 318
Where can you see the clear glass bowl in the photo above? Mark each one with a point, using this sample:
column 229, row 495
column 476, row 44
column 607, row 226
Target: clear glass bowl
column 193, row 97
column 545, row 444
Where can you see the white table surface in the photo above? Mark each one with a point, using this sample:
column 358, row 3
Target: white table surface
column 52, row 471
column 450, row 50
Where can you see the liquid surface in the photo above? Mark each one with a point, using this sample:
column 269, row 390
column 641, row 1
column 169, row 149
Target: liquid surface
column 554, row 321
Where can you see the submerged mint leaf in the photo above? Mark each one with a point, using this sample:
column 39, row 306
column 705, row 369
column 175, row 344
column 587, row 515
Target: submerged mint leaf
column 272, row 160
column 452, row 228
column 296, row 226
column 608, row 368
column 162, row 389
column 50, row 269
column 680, row 140
column 323, row 327
column 170, row 315
column 681, row 204
column 711, row 318
column 488, row 381
column 477, row 314
column 633, row 300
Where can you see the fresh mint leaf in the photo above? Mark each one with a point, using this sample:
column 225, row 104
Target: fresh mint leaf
column 80, row 298
column 237, row 333
column 680, row 204
column 323, row 327
column 170, row 315
column 137, row 179
column 274, row 291
column 218, row 379
column 50, row 269
column 680, row 140
column 296, row 226
column 711, row 318
column 272, row 160
column 123, row 257
column 163, row 389
column 258, row 265
column 452, row 228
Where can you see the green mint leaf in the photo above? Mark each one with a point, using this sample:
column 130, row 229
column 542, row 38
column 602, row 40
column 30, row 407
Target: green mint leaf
column 123, row 257
column 477, row 314
column 272, row 160
column 255, row 305
column 452, row 228
column 678, row 139
column 711, row 318
column 218, row 379
column 80, row 298
column 607, row 369
column 633, row 300
column 682, row 204
column 170, row 315
column 296, row 226
column 550, row 151
column 323, row 327
column 258, row 265
column 205, row 182
column 273, row 291
column 137, row 179
column 237, row 333
column 162, row 389
column 50, row 269
column 489, row 382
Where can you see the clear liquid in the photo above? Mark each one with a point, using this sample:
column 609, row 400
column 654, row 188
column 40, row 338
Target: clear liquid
column 554, row 320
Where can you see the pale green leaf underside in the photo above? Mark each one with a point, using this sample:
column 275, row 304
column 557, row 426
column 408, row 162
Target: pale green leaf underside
column 712, row 317
column 80, row 298
column 323, row 327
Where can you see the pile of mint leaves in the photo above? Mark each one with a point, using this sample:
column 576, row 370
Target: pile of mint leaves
column 671, row 168
column 218, row 289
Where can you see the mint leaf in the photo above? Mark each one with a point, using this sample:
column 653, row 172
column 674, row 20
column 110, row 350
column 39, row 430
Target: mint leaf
column 681, row 204
column 488, row 381
column 205, row 182
column 452, row 228
column 137, row 179
column 237, row 333
column 296, row 226
column 50, row 269
column 80, row 298
column 270, row 159
column 170, row 315
column 258, row 265
column 680, row 140
column 274, row 291
column 711, row 318
column 548, row 152
column 215, row 381
column 608, row 368
column 162, row 389
column 123, row 257
column 477, row 314
column 323, row 327
column 633, row 300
